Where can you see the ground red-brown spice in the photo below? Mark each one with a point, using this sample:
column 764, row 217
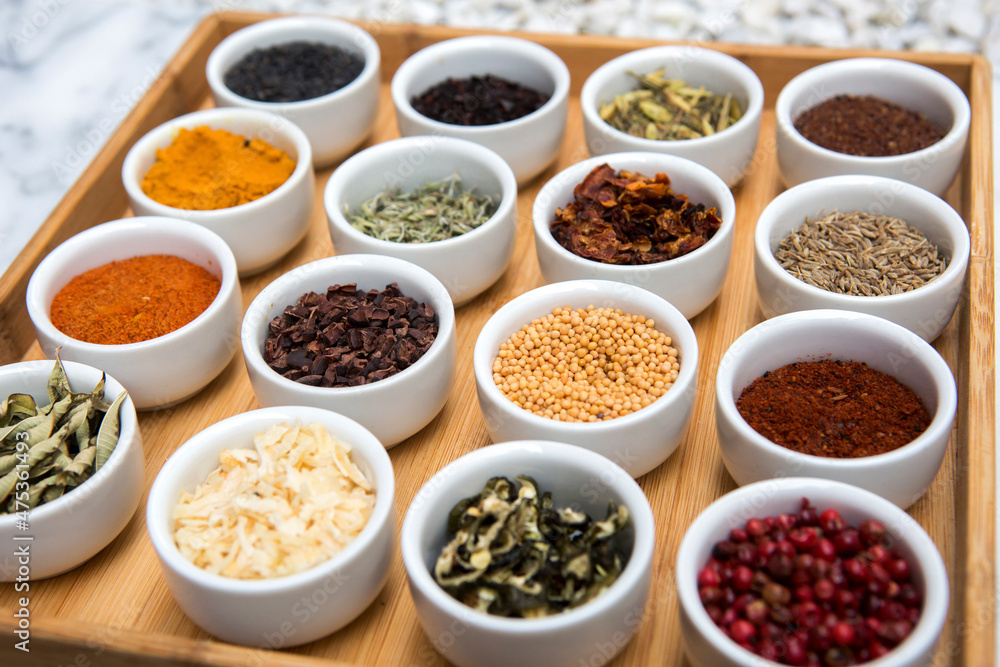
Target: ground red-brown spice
column 133, row 300
column 837, row 409
column 866, row 126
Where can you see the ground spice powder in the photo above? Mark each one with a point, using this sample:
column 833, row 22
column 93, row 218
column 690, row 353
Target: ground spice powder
column 133, row 300
column 206, row 169
column 838, row 409
column 866, row 126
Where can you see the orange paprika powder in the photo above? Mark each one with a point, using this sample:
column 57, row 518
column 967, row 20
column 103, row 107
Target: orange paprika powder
column 133, row 300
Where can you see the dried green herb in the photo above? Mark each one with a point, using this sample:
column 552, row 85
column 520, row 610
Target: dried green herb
column 670, row 110
column 514, row 554
column 861, row 254
column 55, row 448
column 434, row 212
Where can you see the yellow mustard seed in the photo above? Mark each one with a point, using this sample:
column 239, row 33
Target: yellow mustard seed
column 588, row 364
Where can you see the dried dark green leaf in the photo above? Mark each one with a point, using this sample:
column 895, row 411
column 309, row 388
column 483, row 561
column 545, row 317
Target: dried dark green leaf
column 512, row 554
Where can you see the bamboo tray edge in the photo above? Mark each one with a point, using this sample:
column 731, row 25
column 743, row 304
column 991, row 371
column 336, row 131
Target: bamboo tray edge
column 969, row 343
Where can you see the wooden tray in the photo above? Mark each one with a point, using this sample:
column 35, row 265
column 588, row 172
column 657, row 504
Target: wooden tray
column 116, row 608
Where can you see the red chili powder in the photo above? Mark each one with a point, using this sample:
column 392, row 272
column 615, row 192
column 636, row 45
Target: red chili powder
column 838, row 409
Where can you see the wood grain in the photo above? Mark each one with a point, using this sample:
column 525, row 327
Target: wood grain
column 116, row 609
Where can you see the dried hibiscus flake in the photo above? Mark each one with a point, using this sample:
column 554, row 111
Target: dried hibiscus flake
column 628, row 218
column 349, row 337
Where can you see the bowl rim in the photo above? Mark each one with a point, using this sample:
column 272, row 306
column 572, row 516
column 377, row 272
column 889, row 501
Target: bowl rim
column 927, row 556
column 164, row 134
column 545, row 205
column 128, row 435
column 135, row 227
column 932, row 82
column 190, row 453
column 678, row 328
column 263, row 34
column 264, row 302
column 417, row 518
column 705, row 58
column 936, row 207
column 500, row 46
column 357, row 166
column 857, row 324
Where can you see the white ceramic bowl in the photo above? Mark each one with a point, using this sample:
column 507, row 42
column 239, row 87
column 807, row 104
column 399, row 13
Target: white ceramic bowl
column 394, row 408
column 909, row 85
column 639, row 441
column 335, row 123
column 467, row 264
column 161, row 371
column 690, row 282
column 925, row 311
column 271, row 612
column 707, row 646
column 93, row 513
column 259, row 232
column 728, row 153
column 528, row 144
column 590, row 634
column 901, row 475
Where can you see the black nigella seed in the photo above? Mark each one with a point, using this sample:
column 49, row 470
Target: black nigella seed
column 293, row 72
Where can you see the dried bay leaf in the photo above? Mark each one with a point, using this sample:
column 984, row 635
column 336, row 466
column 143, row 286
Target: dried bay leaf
column 82, row 462
column 107, row 436
column 53, row 444
column 58, row 385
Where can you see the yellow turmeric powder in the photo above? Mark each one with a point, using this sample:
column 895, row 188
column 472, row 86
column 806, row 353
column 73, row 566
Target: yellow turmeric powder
column 206, row 169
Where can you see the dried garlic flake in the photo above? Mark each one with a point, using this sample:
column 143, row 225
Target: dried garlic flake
column 289, row 504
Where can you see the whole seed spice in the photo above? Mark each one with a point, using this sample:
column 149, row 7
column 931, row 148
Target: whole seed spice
column 205, row 169
column 133, row 300
column 586, row 365
column 860, row 254
column 866, row 126
column 807, row 588
column 670, row 109
column 628, row 218
column 838, row 409
column 433, row 212
column 478, row 100
column 349, row 337
column 46, row 452
column 293, row 72
column 513, row 553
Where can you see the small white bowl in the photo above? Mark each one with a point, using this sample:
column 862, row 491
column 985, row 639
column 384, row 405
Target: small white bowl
column 161, row 371
column 95, row 512
column 909, row 85
column 595, row 631
column 394, row 408
column 728, row 153
column 335, row 123
column 259, row 232
column 902, row 475
column 690, row 282
column 271, row 612
column 467, row 264
column 925, row 311
column 528, row 144
column 639, row 441
column 707, row 646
